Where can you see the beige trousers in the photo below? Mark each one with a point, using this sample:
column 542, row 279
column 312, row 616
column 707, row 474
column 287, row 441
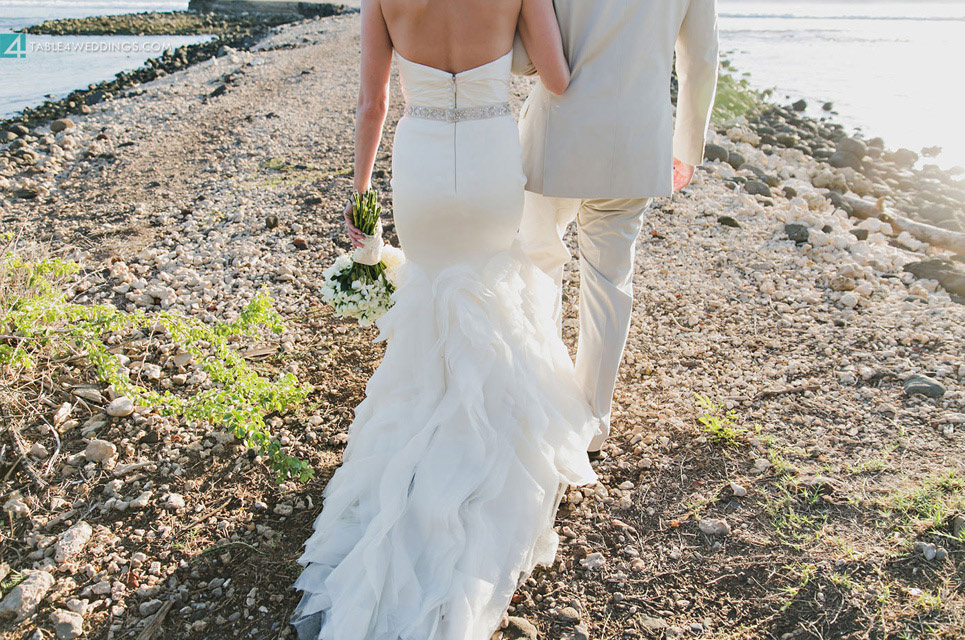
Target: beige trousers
column 607, row 235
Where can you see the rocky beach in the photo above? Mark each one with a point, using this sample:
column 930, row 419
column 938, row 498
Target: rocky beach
column 787, row 456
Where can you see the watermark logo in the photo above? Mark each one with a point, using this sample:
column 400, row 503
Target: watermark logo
column 13, row 45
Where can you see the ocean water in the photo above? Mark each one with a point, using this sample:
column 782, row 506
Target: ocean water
column 56, row 65
column 891, row 68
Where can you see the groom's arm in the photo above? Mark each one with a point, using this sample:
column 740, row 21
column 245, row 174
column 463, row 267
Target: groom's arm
column 697, row 60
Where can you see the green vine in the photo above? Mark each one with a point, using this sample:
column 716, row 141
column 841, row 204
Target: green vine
column 37, row 322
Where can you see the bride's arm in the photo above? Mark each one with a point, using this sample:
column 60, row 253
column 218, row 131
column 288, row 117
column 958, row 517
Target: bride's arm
column 373, row 103
column 540, row 33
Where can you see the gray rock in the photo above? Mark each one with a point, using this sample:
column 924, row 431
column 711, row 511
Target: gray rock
column 949, row 274
column 25, row 193
column 67, row 624
column 728, row 221
column 646, row 623
column 788, row 139
column 579, row 632
column 796, row 232
column 903, row 157
column 72, row 541
column 713, row 152
column 924, row 386
column 142, row 500
column 518, row 629
column 149, row 608
column 958, row 526
column 842, row 159
column 120, row 407
column 755, row 188
column 736, row 160
column 860, row 234
column 23, row 599
column 100, row 451
column 60, row 125
column 853, row 146
column 772, row 181
column 569, row 614
column 594, row 561
column 714, row 527
column 843, row 283
column 800, row 105
column 174, row 501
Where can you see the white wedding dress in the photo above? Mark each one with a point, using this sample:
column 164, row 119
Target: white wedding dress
column 474, row 422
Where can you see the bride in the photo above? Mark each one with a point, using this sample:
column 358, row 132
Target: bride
column 474, row 424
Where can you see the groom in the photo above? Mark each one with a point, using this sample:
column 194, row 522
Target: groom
column 598, row 153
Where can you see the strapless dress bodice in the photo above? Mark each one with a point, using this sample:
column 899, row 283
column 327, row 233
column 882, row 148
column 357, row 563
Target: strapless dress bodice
column 480, row 86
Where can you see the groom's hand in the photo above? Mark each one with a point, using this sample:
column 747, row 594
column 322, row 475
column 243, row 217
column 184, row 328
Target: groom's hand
column 683, row 173
column 354, row 234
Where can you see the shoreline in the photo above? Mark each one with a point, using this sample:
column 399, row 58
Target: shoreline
column 828, row 470
column 231, row 33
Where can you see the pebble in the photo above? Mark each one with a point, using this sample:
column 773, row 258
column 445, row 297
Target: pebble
column 67, row 624
column 100, row 451
column 579, row 632
column 755, row 188
column 72, row 541
column 518, row 629
column 149, row 608
column 714, row 527
column 142, row 500
column 61, row 124
column 594, row 561
column 101, row 588
column 22, row 600
column 569, row 614
column 924, row 386
column 739, row 490
column 958, row 526
column 38, row 450
column 174, row 502
column 120, row 407
column 799, row 233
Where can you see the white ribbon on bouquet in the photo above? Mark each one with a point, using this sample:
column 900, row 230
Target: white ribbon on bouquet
column 370, row 252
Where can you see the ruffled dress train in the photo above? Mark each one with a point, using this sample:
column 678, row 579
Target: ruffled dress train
column 473, row 424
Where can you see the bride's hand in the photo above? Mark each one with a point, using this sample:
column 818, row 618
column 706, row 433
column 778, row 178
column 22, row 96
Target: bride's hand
column 356, row 236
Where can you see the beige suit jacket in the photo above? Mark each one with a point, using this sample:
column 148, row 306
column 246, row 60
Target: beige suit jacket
column 611, row 134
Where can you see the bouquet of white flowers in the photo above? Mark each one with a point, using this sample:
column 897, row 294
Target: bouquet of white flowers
column 360, row 285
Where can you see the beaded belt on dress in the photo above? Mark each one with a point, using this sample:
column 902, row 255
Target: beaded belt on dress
column 458, row 114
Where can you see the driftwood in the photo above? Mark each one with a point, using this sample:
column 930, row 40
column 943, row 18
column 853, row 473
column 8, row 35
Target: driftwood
column 935, row 236
column 153, row 628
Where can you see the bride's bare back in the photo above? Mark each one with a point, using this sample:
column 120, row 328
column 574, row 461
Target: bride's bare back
column 452, row 35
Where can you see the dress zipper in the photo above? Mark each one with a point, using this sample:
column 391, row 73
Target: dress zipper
column 455, row 165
